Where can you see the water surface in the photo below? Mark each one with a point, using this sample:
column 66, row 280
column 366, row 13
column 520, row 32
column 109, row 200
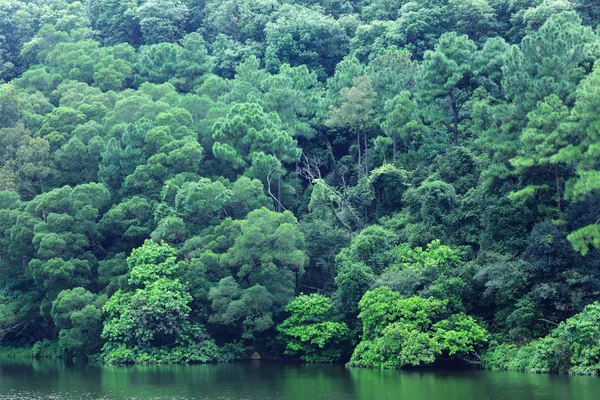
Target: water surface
column 260, row 380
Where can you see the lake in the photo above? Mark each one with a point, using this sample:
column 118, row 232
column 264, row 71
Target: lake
column 260, row 380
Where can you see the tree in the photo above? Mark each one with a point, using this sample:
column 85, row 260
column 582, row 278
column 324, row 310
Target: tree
column 127, row 224
column 570, row 347
column 402, row 124
column 117, row 21
column 248, row 311
column 301, row 35
column 581, row 152
column 432, row 212
column 151, row 322
column 356, row 112
column 445, row 81
column 412, row 331
column 392, row 71
column 434, row 271
column 182, row 65
column 537, row 158
column 10, row 108
column 269, row 252
column 162, row 21
column 551, row 60
column 201, row 203
column 309, row 333
column 78, row 314
column 241, row 20
column 352, row 282
column 249, row 139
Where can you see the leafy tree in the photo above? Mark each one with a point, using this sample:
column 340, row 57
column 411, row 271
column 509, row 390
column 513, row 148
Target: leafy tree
column 580, row 152
column 402, row 124
column 242, row 20
column 117, row 21
column 551, row 60
column 435, row 271
column 151, row 322
column 303, row 36
column 392, row 71
column 570, row 347
column 9, row 107
column 78, row 314
column 182, row 65
column 130, row 220
column 412, row 331
column 269, row 252
column 355, row 112
column 538, row 157
column 249, row 137
column 308, row 332
column 249, row 311
column 445, row 81
column 432, row 211
column 352, row 282
column 161, row 21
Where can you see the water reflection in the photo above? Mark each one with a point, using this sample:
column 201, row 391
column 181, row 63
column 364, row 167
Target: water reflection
column 43, row 379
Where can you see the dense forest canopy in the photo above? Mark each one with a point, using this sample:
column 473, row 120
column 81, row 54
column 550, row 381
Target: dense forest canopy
column 384, row 182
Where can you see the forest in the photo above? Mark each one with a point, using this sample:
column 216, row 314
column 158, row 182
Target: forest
column 383, row 183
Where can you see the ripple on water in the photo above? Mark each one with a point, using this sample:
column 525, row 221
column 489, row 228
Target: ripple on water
column 34, row 395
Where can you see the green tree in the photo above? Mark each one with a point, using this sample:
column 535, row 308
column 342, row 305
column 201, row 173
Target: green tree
column 117, row 21
column 304, row 36
column 355, row 113
column 78, row 314
column 431, row 212
column 151, row 323
column 270, row 252
column 581, row 152
column 549, row 61
column 249, row 137
column 537, row 158
column 445, row 81
column 248, row 311
column 309, row 333
column 412, row 331
column 10, row 108
column 402, row 124
column 161, row 21
column 182, row 65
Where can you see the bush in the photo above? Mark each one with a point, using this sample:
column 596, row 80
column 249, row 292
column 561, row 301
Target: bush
column 45, row 349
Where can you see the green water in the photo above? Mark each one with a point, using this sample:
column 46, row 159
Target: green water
column 267, row 380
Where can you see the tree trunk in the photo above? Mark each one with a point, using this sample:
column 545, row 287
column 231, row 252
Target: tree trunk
column 366, row 154
column 394, row 146
column 455, row 119
column 557, row 186
column 358, row 143
column 279, row 193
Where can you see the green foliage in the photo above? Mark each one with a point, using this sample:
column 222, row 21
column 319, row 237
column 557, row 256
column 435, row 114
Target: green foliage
column 269, row 251
column 571, row 347
column 249, row 139
column 247, row 310
column 307, row 331
column 436, row 270
column 78, row 314
column 412, row 331
column 432, row 212
column 445, row 81
column 201, row 163
column 551, row 60
column 45, row 349
column 304, row 36
column 151, row 323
